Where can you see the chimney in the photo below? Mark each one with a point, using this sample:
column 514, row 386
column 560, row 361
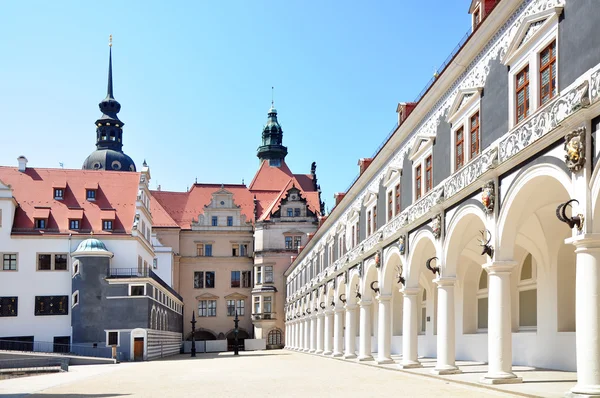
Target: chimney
column 363, row 163
column 338, row 196
column 22, row 163
column 403, row 110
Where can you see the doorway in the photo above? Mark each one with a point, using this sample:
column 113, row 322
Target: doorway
column 138, row 349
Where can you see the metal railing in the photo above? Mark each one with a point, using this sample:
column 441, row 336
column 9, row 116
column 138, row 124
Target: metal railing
column 57, row 348
column 143, row 272
column 33, row 365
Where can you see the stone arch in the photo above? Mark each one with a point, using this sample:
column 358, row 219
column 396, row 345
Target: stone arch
column 388, row 279
column 353, row 284
column 463, row 229
column 423, row 246
column 370, row 274
column 202, row 334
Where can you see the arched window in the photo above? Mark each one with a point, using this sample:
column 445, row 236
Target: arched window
column 423, row 328
column 482, row 302
column 528, row 294
column 274, row 337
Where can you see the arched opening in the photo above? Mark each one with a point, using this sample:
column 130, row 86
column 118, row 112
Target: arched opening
column 202, row 335
column 423, row 311
column 527, row 288
column 482, row 302
column 242, row 335
column 275, row 338
column 565, row 289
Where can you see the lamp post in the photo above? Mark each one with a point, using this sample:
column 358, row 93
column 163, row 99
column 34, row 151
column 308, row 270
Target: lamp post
column 235, row 334
column 193, row 322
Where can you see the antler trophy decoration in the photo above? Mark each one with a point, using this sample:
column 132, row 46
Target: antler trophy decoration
column 308, row 311
column 571, row 221
column 399, row 275
column 343, row 298
column 487, row 248
column 333, row 303
column 436, row 269
column 322, row 305
column 358, row 295
column 375, row 289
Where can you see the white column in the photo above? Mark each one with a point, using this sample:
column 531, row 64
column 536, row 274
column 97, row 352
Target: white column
column 320, row 332
column 587, row 315
column 313, row 333
column 338, row 332
column 384, row 335
column 296, row 334
column 328, row 333
column 499, row 325
column 409, row 329
column 350, row 351
column 446, row 349
column 306, row 345
column 364, row 343
column 300, row 334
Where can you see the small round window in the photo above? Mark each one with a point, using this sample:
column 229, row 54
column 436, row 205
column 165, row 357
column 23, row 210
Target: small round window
column 116, row 165
column 132, row 168
column 97, row 165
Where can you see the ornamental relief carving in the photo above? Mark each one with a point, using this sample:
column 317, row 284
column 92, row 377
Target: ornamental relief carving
column 543, row 122
column 595, row 86
column 575, row 149
column 470, row 173
column 421, row 208
column 488, row 196
column 436, row 226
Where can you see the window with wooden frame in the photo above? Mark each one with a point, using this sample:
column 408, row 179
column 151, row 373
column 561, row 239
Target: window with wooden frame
column 476, row 18
column 522, row 94
column 459, row 148
column 428, row 173
column 548, row 73
column 474, row 127
column 418, row 180
column 390, row 203
column 352, row 242
column 369, row 216
column 374, row 218
column 397, row 194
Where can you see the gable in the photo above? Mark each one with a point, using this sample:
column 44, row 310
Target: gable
column 464, row 99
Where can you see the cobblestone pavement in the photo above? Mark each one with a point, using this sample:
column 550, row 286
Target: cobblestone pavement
column 277, row 373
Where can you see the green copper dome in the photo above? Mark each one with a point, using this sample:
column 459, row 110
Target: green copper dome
column 91, row 246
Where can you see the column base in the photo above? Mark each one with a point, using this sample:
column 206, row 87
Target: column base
column 587, row 391
column 337, row 355
column 319, row 352
column 384, row 361
column 311, row 351
column 446, row 371
column 501, row 378
column 327, row 353
column 410, row 365
column 349, row 356
column 363, row 358
column 306, row 350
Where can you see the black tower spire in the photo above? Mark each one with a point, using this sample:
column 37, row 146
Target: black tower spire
column 109, row 132
column 272, row 148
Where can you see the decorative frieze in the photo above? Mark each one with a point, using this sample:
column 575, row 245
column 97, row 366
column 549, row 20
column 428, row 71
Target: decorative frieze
column 423, row 206
column 471, row 172
column 595, row 86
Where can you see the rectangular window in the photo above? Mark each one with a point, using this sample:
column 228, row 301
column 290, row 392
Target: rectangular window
column 200, row 250
column 288, row 242
column 297, row 241
column 241, row 306
column 209, row 282
column 267, row 305
column 522, row 92
column 202, row 307
column 229, row 221
column 459, row 149
column 246, row 279
column 199, row 280
column 297, row 212
column 215, row 221
column 113, row 338
column 90, row 194
column 230, row 307
column 369, row 223
column 374, row 218
column 269, row 274
column 9, row 262
column 397, row 193
column 44, row 262
column 290, row 212
column 9, row 306
column 390, row 204
column 353, row 236
column 235, row 278
column 548, row 73
column 73, row 224
column 428, row 173
column 60, row 262
column 208, row 250
column 212, row 308
column 235, row 250
column 258, row 274
column 137, row 290
column 418, row 182
column 40, row 223
column 59, row 193
column 51, row 305
column 474, row 135
column 476, row 18
column 243, row 250
column 257, row 305
column 107, row 225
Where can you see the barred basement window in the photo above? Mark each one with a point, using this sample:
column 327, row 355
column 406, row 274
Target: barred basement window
column 9, row 306
column 51, row 305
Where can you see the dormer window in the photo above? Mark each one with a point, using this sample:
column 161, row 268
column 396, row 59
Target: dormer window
column 476, row 18
column 90, row 194
column 214, row 221
column 73, row 224
column 297, row 212
column 59, row 193
column 40, row 223
column 464, row 118
column 290, row 212
column 229, row 221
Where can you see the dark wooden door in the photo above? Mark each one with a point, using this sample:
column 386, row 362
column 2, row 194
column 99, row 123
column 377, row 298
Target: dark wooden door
column 138, row 349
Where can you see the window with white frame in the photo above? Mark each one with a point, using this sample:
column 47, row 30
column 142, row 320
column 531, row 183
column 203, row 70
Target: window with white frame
column 527, row 288
column 392, row 185
column 422, row 163
column 482, row 302
column 465, row 121
column 268, row 274
column 330, row 253
column 371, row 216
column 532, row 58
column 9, row 262
column 353, row 229
column 75, row 298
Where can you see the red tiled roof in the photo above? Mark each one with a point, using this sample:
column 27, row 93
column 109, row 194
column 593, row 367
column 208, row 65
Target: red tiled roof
column 269, row 178
column 34, row 192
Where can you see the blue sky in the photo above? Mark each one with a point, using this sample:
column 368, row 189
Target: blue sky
column 194, row 80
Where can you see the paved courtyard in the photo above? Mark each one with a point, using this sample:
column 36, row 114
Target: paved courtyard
column 253, row 374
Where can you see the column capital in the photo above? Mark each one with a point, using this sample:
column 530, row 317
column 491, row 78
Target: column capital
column 350, row 307
column 499, row 267
column 312, row 316
column 410, row 291
column 364, row 303
column 328, row 311
column 586, row 241
column 321, row 314
column 337, row 310
column 383, row 297
column 445, row 281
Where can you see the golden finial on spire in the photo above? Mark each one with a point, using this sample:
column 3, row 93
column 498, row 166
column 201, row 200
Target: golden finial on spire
column 110, row 40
